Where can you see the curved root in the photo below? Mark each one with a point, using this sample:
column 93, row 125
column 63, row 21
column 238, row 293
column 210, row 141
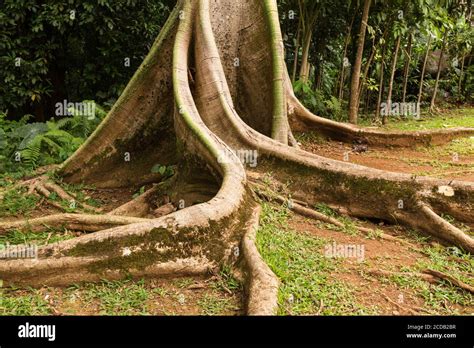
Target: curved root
column 303, row 120
column 262, row 283
column 79, row 222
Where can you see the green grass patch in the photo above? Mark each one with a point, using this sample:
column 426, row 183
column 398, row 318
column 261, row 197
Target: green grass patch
column 16, row 202
column 25, row 302
column 215, row 305
column 440, row 297
column 463, row 117
column 124, row 297
column 40, row 238
column 299, row 262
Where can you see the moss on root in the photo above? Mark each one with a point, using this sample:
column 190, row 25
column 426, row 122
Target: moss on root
column 343, row 188
column 162, row 244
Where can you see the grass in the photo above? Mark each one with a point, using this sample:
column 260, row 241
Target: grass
column 451, row 261
column 298, row 261
column 310, row 137
column 16, row 202
column 26, row 302
column 349, row 227
column 462, row 117
column 226, row 282
column 122, row 297
column 215, row 305
column 125, row 297
column 40, row 238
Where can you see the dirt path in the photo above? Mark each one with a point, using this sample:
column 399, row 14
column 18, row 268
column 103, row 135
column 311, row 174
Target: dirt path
column 454, row 160
column 388, row 296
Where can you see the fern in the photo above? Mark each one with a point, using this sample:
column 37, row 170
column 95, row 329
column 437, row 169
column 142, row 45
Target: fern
column 44, row 143
column 31, row 155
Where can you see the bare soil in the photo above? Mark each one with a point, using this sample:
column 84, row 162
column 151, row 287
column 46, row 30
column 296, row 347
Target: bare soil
column 406, row 160
column 381, row 255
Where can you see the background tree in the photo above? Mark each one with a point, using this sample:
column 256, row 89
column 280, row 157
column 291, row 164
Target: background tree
column 355, row 79
column 53, row 50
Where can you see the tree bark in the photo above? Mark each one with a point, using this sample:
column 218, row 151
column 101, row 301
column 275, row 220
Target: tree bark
column 392, row 77
column 353, row 102
column 297, row 50
column 340, row 94
column 425, row 60
column 381, row 87
column 438, row 73
column 406, row 70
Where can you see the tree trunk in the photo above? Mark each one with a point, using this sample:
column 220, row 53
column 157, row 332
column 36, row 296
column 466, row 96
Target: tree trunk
column 406, row 70
column 353, row 102
column 297, row 50
column 438, row 73
column 461, row 73
column 213, row 122
column 381, row 88
column 344, row 58
column 365, row 74
column 304, row 70
column 392, row 77
column 425, row 60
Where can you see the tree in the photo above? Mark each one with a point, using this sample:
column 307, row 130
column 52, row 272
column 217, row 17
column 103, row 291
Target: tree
column 438, row 73
column 309, row 11
column 392, row 76
column 203, row 113
column 355, row 79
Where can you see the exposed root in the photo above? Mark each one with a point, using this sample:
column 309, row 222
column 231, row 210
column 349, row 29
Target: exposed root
column 163, row 117
column 450, row 279
column 427, row 220
column 139, row 206
column 65, row 271
column 303, row 120
column 66, row 196
column 409, row 310
column 46, row 194
column 384, row 273
column 262, row 283
column 299, row 208
column 429, row 275
column 79, row 222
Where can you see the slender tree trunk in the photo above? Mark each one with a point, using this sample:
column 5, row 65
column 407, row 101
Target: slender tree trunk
column 392, row 77
column 304, row 71
column 379, row 99
column 344, row 58
column 353, row 102
column 435, row 91
column 461, row 75
column 406, row 70
column 297, row 49
column 365, row 74
column 420, row 92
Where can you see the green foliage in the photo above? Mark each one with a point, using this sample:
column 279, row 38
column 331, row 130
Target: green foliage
column 78, row 46
column 316, row 102
column 164, row 171
column 29, row 145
